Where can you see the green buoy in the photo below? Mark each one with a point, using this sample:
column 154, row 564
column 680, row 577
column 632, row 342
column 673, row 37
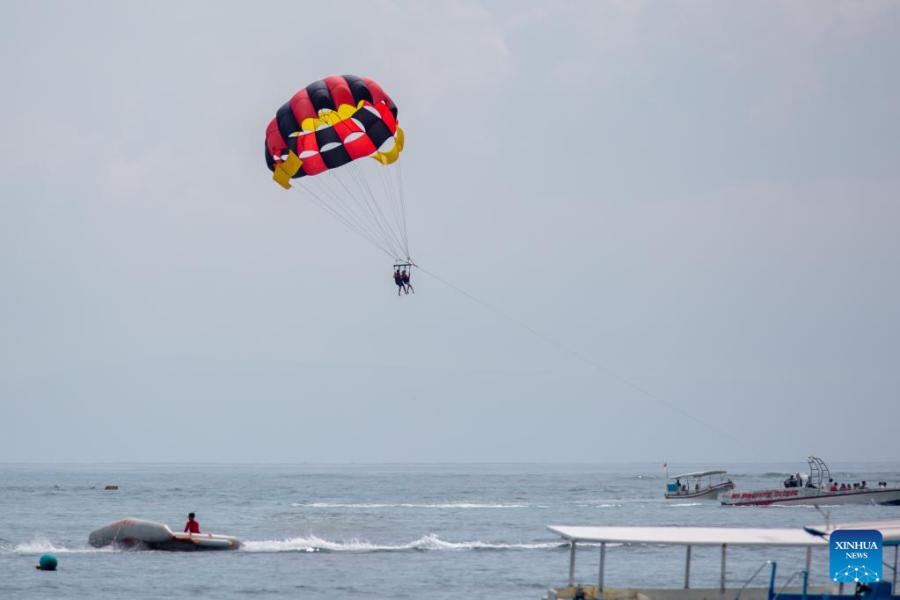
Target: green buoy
column 47, row 562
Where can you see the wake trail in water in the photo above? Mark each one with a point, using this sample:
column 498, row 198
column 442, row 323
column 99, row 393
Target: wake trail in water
column 311, row 543
column 364, row 505
column 41, row 545
column 430, row 542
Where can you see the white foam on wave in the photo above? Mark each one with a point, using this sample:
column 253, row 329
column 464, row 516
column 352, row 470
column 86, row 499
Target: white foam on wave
column 686, row 504
column 404, row 505
column 431, row 541
column 42, row 545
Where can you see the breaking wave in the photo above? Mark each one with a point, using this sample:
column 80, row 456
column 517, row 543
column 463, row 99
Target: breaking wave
column 40, row 546
column 313, row 543
column 404, row 505
column 428, row 542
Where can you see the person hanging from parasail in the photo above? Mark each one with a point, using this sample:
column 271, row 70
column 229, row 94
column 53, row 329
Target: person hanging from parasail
column 404, row 277
column 398, row 279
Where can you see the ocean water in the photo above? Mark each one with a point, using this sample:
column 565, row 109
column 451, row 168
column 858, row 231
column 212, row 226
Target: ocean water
column 377, row 531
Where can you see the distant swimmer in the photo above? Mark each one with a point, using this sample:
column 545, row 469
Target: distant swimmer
column 192, row 525
column 404, row 277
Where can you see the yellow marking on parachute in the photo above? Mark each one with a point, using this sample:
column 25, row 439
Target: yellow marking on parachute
column 292, row 164
column 393, row 154
column 282, row 178
column 287, row 169
column 346, row 111
column 328, row 117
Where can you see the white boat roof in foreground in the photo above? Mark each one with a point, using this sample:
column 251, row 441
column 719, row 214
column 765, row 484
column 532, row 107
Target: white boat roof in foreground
column 808, row 537
column 690, row 536
column 889, row 528
column 698, row 474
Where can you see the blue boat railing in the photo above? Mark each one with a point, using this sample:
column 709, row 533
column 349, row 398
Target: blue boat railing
column 773, row 595
column 752, row 577
column 879, row 590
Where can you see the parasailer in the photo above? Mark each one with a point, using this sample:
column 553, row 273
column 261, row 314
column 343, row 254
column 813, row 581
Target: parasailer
column 320, row 137
column 404, row 276
column 398, row 280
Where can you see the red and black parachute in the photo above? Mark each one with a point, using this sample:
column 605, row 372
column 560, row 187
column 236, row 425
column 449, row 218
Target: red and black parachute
column 331, row 122
column 324, row 129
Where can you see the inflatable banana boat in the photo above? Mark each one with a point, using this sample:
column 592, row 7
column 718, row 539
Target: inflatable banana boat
column 131, row 533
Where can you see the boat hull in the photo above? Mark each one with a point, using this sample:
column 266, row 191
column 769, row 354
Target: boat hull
column 139, row 533
column 813, row 497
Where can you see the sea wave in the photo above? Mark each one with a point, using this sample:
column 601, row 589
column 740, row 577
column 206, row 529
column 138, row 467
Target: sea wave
column 41, row 545
column 314, row 543
column 686, row 504
column 364, row 505
column 428, row 542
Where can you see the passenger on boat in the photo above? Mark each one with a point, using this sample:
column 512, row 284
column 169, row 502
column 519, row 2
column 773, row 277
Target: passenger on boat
column 192, row 525
column 697, row 487
column 862, row 486
column 834, row 487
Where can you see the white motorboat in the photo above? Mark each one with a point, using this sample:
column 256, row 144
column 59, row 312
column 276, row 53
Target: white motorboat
column 698, row 485
column 816, row 489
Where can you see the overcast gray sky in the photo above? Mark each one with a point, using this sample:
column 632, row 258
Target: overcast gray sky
column 702, row 197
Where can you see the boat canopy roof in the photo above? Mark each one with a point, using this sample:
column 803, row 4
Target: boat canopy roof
column 698, row 474
column 691, row 536
column 890, row 529
column 717, row 536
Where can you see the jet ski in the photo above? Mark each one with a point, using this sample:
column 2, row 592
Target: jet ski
column 137, row 533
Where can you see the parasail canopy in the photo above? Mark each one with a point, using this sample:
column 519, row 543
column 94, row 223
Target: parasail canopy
column 322, row 134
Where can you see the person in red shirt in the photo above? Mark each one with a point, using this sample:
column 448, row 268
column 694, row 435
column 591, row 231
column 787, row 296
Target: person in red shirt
column 192, row 526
